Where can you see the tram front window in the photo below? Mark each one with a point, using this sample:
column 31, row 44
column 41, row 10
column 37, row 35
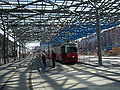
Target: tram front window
column 71, row 49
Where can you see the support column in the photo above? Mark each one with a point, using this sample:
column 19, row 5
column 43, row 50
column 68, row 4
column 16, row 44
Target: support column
column 4, row 40
column 7, row 42
column 20, row 51
column 7, row 49
column 4, row 47
column 14, row 49
column 98, row 32
column 68, row 37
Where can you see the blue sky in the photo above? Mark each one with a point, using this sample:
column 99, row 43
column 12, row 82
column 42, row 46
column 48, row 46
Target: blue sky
column 32, row 45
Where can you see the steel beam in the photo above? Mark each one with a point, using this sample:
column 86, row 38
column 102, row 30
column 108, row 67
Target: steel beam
column 22, row 6
column 43, row 11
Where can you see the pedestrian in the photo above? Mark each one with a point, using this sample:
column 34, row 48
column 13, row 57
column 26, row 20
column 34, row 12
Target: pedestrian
column 43, row 58
column 53, row 59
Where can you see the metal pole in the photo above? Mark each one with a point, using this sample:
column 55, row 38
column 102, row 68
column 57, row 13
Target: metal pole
column 4, row 48
column 14, row 50
column 7, row 42
column 19, row 51
column 48, row 48
column 22, row 51
column 7, row 49
column 4, row 41
column 68, row 37
column 98, row 32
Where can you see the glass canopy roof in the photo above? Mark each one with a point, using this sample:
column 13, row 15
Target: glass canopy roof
column 54, row 21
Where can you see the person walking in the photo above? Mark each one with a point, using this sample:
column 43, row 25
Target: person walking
column 53, row 59
column 43, row 58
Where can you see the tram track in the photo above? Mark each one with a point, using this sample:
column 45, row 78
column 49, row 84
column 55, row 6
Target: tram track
column 94, row 71
column 14, row 74
column 2, row 87
column 106, row 69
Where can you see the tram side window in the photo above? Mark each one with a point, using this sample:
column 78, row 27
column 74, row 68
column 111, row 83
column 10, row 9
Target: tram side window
column 71, row 49
column 63, row 49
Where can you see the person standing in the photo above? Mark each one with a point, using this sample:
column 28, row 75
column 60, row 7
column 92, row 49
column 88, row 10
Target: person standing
column 53, row 59
column 43, row 58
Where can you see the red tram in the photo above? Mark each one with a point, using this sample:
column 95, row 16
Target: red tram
column 67, row 53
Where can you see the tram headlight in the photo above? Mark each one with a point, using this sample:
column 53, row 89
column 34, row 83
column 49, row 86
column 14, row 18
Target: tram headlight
column 73, row 56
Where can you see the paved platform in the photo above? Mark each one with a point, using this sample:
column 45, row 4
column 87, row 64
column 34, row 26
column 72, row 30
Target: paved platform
column 33, row 76
column 106, row 60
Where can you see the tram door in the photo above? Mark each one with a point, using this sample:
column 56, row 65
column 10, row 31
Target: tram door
column 63, row 53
